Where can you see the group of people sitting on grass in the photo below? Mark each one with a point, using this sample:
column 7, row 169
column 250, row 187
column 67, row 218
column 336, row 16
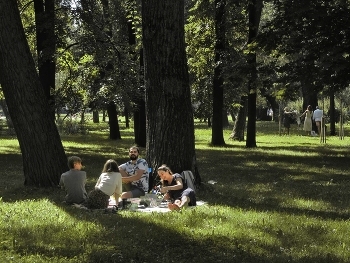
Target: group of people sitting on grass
column 129, row 180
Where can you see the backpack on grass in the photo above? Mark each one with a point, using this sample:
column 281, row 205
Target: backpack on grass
column 189, row 179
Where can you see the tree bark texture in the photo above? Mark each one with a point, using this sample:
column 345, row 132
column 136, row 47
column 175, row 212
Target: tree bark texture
column 170, row 127
column 46, row 46
column 217, row 137
column 331, row 114
column 43, row 155
column 239, row 127
column 255, row 8
column 140, row 123
column 114, row 132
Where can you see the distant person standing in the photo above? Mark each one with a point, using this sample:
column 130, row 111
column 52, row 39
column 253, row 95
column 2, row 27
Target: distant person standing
column 287, row 116
column 308, row 113
column 73, row 181
column 317, row 117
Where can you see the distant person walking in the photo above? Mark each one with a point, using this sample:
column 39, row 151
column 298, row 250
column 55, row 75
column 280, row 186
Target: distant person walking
column 317, row 117
column 308, row 113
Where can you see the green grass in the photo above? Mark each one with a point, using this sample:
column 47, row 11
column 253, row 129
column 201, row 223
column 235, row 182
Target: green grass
column 285, row 201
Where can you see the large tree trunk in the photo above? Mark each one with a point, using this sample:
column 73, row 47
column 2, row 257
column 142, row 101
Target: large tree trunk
column 170, row 127
column 46, row 45
column 255, row 8
column 43, row 155
column 217, row 137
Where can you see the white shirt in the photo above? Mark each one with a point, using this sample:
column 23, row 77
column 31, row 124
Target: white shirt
column 317, row 115
column 110, row 183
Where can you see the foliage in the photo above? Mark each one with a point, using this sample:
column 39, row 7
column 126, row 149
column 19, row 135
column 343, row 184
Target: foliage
column 308, row 43
column 285, row 201
column 200, row 36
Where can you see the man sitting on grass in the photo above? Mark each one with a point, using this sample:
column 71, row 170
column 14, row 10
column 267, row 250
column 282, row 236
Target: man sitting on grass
column 73, row 181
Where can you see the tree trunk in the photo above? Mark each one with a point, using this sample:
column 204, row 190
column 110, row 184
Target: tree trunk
column 251, row 126
column 43, row 155
column 95, row 116
column 170, row 127
column 225, row 122
column 126, row 115
column 114, row 132
column 217, row 137
column 139, row 99
column 46, row 47
column 309, row 96
column 140, row 123
column 255, row 8
column 331, row 114
column 239, row 127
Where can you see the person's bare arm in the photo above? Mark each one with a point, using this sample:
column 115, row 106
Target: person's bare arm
column 179, row 185
column 133, row 177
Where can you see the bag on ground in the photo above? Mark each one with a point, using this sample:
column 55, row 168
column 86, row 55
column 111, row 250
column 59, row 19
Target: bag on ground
column 189, row 179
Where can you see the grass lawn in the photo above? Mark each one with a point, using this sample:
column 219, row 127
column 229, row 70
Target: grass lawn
column 287, row 200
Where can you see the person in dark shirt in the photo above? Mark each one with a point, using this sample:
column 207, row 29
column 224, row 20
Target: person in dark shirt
column 73, row 181
column 175, row 189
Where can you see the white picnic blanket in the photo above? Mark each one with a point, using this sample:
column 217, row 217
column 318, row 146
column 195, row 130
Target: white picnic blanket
column 161, row 208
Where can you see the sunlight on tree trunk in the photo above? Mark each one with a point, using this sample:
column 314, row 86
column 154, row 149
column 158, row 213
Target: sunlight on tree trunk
column 43, row 155
column 170, row 127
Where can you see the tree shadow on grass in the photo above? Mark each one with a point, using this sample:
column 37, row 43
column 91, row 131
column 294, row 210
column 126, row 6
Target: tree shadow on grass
column 262, row 180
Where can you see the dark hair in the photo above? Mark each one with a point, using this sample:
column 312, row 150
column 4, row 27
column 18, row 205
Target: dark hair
column 309, row 107
column 135, row 147
column 164, row 168
column 110, row 166
column 72, row 160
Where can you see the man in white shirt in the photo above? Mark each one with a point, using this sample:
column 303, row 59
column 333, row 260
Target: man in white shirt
column 317, row 117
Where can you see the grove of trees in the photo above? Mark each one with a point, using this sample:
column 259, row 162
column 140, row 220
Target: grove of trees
column 163, row 63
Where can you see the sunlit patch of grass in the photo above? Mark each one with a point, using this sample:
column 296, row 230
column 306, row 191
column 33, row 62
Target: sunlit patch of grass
column 301, row 203
column 285, row 201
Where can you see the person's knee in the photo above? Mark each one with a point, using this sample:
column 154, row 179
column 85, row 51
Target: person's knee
column 125, row 195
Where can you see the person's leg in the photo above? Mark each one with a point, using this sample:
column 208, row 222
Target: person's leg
column 178, row 204
column 126, row 195
column 133, row 193
column 318, row 124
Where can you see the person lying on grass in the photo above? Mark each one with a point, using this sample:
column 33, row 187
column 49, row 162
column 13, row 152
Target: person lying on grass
column 175, row 189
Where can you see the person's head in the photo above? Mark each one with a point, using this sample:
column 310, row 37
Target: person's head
column 110, row 166
column 286, row 109
column 134, row 153
column 164, row 172
column 309, row 108
column 317, row 108
column 74, row 162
